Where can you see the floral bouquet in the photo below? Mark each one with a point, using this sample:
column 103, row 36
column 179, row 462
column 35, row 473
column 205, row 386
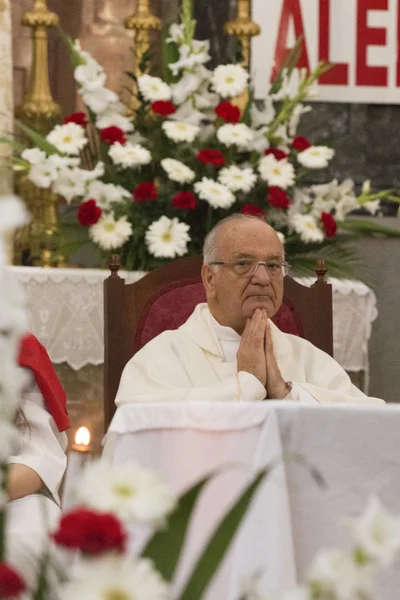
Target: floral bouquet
column 151, row 182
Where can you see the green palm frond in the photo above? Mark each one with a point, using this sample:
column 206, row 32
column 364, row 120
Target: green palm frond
column 368, row 228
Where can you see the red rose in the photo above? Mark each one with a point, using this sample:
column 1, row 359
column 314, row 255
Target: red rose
column 209, row 156
column 301, row 143
column 145, row 191
column 278, row 154
column 79, row 118
column 228, row 112
column 111, row 135
column 278, row 198
column 184, row 200
column 252, row 209
column 91, row 532
column 11, row 583
column 329, row 224
column 163, row 108
column 89, row 213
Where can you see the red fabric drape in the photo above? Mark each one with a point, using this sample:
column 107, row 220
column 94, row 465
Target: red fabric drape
column 34, row 356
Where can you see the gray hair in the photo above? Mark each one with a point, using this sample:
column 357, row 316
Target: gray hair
column 210, row 242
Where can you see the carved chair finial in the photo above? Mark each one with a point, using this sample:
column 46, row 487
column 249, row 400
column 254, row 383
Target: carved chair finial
column 321, row 271
column 114, row 265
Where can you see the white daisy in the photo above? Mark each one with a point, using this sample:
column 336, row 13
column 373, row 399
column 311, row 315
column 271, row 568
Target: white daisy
column 116, row 577
column 69, row 138
column 70, row 183
column 43, row 174
column 276, row 172
column 109, row 233
column 180, row 132
column 315, row 157
column 106, row 194
column 129, row 155
column 307, row 227
column 229, row 80
column 33, row 155
column 129, row 491
column 238, row 134
column 216, row 194
column 177, row 171
column 237, row 179
column 167, row 238
column 153, row 88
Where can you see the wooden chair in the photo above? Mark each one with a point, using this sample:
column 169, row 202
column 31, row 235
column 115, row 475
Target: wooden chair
column 164, row 298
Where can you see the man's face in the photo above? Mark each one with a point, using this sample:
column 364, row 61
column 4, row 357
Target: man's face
column 232, row 298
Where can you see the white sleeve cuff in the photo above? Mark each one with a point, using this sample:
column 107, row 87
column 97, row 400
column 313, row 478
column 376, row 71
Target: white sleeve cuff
column 298, row 394
column 252, row 390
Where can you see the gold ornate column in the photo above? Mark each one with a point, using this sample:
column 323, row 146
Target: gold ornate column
column 39, row 111
column 142, row 22
column 244, row 29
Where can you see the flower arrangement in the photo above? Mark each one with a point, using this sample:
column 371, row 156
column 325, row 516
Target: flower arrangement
column 198, row 147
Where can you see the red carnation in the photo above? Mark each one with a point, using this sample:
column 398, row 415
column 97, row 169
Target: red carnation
column 79, row 118
column 11, row 583
column 301, row 143
column 278, row 198
column 228, row 112
column 329, row 224
column 111, row 135
column 163, row 108
column 278, row 154
column 252, row 209
column 89, row 213
column 208, row 156
column 184, row 200
column 145, row 191
column 91, row 532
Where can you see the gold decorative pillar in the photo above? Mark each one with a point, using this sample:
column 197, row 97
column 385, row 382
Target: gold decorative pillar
column 142, row 22
column 244, row 29
column 41, row 113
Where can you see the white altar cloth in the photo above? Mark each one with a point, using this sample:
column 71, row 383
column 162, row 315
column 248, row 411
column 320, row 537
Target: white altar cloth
column 66, row 313
column 357, row 449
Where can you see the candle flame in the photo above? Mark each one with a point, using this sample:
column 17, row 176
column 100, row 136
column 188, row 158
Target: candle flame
column 82, row 436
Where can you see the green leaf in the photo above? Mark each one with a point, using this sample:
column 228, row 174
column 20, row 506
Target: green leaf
column 17, row 146
column 215, row 550
column 76, row 58
column 368, row 228
column 173, row 536
column 38, row 140
column 169, row 55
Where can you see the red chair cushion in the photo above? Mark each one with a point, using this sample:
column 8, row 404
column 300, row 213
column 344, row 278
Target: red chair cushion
column 182, row 298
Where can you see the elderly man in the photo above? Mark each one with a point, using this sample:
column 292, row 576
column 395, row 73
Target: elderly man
column 229, row 349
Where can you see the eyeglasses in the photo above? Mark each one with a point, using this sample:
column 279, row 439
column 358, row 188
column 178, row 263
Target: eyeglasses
column 245, row 267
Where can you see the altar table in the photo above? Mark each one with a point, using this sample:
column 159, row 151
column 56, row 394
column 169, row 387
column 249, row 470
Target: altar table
column 356, row 449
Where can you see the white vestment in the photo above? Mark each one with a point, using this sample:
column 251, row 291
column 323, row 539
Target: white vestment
column 31, row 518
column 189, row 364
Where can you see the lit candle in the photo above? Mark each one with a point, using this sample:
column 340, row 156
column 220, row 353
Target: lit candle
column 80, row 452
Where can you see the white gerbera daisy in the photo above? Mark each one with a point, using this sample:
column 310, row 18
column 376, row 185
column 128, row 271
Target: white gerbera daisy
column 237, row 179
column 33, row 155
column 109, row 233
column 177, row 171
column 132, row 493
column 69, row 138
column 238, row 134
column 43, row 174
column 315, row 157
column 180, row 132
column 216, row 194
column 115, row 577
column 130, row 155
column 229, row 80
column 167, row 238
column 153, row 88
column 276, row 172
column 307, row 227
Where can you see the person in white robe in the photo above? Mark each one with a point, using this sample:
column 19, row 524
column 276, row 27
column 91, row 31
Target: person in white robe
column 38, row 465
column 229, row 349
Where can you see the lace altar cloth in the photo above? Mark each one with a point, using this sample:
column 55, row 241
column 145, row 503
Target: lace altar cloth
column 66, row 313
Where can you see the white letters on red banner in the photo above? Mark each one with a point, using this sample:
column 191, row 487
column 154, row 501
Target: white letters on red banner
column 361, row 38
